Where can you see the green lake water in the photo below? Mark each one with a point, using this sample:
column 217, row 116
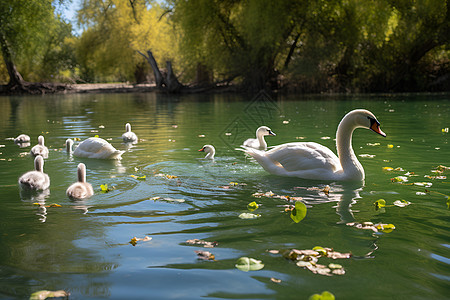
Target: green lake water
column 83, row 246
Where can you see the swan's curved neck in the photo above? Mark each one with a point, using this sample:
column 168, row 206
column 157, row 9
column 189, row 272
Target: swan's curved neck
column 39, row 165
column 347, row 157
column 128, row 128
column 81, row 173
column 261, row 140
column 69, row 146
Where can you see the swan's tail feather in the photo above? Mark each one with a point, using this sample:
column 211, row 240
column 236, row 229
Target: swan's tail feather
column 117, row 154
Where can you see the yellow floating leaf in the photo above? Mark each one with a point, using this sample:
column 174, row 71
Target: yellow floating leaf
column 388, row 169
column 390, row 146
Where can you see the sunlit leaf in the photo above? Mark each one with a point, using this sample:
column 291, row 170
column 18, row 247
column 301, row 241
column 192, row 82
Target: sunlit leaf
column 54, row 205
column 96, row 136
column 249, row 216
column 252, row 206
column 390, row 146
column 104, row 188
column 425, row 184
column 135, row 240
column 275, row 280
column 401, row 203
column 379, row 203
column 299, row 212
column 334, row 266
column 388, row 169
column 203, row 243
column 326, row 190
column 138, row 177
column 320, row 250
column 324, row 296
column 445, row 130
column 400, row 179
column 40, row 295
column 385, row 227
column 205, row 255
column 249, row 264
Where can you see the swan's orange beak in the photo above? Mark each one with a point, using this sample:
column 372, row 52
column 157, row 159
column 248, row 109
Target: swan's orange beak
column 202, row 150
column 375, row 127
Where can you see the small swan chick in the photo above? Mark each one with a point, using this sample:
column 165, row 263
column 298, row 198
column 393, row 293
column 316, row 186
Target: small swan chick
column 40, row 148
column 69, row 145
column 37, row 179
column 23, row 138
column 209, row 150
column 129, row 136
column 80, row 189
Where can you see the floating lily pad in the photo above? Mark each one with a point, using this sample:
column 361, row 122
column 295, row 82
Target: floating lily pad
column 249, row 264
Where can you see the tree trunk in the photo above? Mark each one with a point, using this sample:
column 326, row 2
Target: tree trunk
column 159, row 80
column 15, row 79
column 173, row 85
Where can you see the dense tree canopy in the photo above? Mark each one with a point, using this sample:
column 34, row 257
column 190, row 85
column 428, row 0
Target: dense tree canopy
column 310, row 45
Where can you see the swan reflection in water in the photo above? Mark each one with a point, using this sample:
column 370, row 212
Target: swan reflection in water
column 38, row 198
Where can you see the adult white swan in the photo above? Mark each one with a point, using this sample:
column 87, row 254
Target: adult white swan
column 40, row 148
column 80, row 189
column 209, row 150
column 95, row 147
column 313, row 161
column 129, row 136
column 259, row 143
column 37, row 179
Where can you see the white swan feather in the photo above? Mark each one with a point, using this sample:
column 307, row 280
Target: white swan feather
column 95, row 147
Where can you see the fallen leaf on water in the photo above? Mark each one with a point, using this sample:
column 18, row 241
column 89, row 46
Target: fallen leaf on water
column 76, row 139
column 41, row 295
column 326, row 190
column 401, row 203
column 379, row 204
column 166, row 176
column 275, row 280
column 308, row 259
column 425, row 184
column 299, row 212
column 390, row 146
column 104, row 188
column 53, row 205
column 249, row 216
column 205, row 244
column 135, row 240
column 249, row 264
column 138, row 177
column 252, row 206
column 205, row 255
column 400, row 179
column 388, row 169
column 445, row 130
column 374, row 227
column 167, row 199
column 324, row 296
column 373, row 144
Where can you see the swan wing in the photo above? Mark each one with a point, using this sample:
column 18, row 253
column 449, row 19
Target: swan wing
column 97, row 148
column 304, row 156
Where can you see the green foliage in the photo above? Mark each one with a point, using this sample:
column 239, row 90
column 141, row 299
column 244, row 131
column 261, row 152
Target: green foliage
column 38, row 41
